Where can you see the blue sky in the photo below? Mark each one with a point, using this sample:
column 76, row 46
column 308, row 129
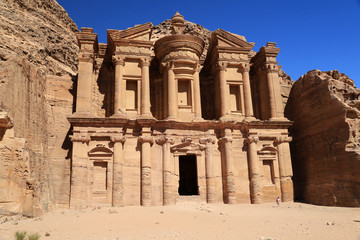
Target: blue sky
column 312, row 34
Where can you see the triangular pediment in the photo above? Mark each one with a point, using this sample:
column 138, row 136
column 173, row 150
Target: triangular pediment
column 227, row 39
column 187, row 145
column 140, row 32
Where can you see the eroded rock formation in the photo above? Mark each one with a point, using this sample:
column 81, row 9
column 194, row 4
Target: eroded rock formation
column 325, row 149
column 38, row 59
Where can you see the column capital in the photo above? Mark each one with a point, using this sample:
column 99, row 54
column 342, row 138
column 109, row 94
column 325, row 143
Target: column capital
column 117, row 138
column 164, row 139
column 145, row 62
column 80, row 138
column 270, row 67
column 86, row 57
column 207, row 140
column 252, row 139
column 145, row 139
column 118, row 60
column 244, row 67
column 222, row 65
column 224, row 140
column 169, row 65
column 198, row 67
column 282, row 139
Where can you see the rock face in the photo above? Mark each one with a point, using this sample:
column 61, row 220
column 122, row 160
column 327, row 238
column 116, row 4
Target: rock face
column 38, row 59
column 325, row 149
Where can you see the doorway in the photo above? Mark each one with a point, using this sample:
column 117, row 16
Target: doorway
column 188, row 183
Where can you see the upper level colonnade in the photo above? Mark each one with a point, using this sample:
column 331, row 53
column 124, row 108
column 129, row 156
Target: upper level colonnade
column 166, row 79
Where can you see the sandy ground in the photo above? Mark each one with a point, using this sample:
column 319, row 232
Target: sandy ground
column 193, row 221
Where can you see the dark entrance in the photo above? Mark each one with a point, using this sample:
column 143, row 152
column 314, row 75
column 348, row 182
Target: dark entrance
column 188, row 184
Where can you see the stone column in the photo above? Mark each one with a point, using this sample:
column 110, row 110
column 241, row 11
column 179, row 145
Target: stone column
column 146, row 196
column 172, row 93
column 84, row 83
column 119, row 97
column 118, row 175
column 276, row 107
column 197, row 92
column 145, row 88
column 285, row 168
column 168, row 197
column 210, row 175
column 79, row 171
column 230, row 181
column 249, row 113
column 223, row 88
column 255, row 187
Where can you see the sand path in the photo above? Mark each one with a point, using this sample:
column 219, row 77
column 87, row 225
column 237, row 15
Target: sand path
column 194, row 221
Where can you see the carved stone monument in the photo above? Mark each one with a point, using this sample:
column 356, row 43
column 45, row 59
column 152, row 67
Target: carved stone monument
column 156, row 121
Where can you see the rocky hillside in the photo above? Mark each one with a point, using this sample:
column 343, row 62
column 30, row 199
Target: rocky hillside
column 326, row 132
column 40, row 31
column 38, row 59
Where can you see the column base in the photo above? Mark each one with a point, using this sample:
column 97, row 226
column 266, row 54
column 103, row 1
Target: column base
column 146, row 116
column 119, row 115
column 82, row 115
column 278, row 119
column 198, row 119
column 250, row 119
column 227, row 118
column 172, row 118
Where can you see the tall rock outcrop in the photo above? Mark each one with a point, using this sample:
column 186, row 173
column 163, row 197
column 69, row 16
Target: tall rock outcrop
column 325, row 149
column 38, row 60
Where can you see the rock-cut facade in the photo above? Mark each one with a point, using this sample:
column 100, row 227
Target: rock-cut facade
column 159, row 121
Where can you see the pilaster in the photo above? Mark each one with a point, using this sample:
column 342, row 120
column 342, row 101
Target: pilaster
column 79, row 179
column 209, row 168
column 285, row 168
column 145, row 89
column 118, row 172
column 197, row 92
column 146, row 188
column 168, row 170
column 172, row 92
column 87, row 41
column 226, row 142
column 249, row 113
column 120, row 87
column 224, row 92
column 255, row 183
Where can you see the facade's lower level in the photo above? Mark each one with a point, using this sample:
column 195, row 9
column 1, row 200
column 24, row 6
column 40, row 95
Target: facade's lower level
column 117, row 162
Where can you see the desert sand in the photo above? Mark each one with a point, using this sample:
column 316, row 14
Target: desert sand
column 193, row 221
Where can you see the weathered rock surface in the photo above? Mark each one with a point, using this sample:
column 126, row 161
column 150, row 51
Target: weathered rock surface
column 38, row 59
column 325, row 149
column 42, row 32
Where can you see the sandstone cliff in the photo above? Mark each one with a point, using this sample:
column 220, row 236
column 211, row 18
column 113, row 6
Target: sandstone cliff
column 325, row 149
column 38, row 59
